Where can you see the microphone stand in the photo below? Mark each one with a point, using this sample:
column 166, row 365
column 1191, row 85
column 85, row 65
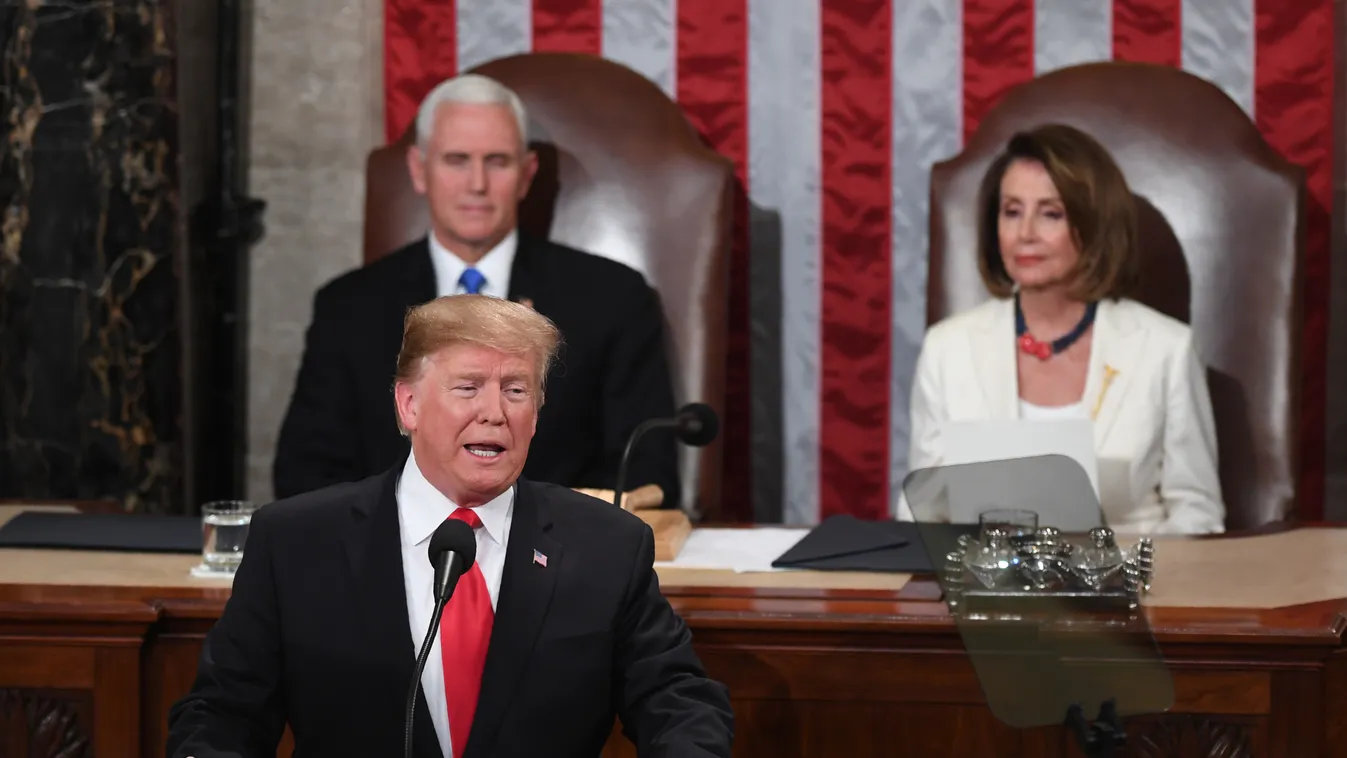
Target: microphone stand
column 416, row 675
column 1103, row 737
column 636, row 434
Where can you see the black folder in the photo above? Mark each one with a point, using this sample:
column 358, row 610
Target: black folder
column 140, row 533
column 846, row 543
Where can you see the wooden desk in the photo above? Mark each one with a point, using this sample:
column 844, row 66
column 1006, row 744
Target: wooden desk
column 94, row 647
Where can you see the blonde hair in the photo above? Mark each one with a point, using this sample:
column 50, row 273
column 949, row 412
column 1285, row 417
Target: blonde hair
column 479, row 320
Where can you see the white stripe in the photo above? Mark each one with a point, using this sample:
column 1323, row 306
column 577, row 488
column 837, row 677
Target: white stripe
column 1070, row 32
column 640, row 34
column 1218, row 45
column 927, row 127
column 490, row 29
column 784, row 176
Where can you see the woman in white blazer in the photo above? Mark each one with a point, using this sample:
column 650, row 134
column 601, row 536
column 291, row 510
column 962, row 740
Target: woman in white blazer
column 1057, row 250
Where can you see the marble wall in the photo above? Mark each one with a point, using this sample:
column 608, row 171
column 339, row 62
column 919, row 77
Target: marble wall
column 90, row 252
column 315, row 84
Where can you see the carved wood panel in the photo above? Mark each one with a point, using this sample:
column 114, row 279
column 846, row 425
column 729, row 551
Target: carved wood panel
column 1195, row 736
column 44, row 724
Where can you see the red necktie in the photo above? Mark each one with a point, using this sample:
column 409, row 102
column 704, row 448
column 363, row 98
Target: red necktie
column 465, row 632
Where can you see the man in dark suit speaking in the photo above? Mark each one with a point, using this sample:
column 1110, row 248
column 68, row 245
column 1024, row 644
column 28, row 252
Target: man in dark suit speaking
column 472, row 163
column 558, row 626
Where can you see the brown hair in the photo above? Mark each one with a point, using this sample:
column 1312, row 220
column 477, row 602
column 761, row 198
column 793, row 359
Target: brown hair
column 1099, row 208
column 480, row 320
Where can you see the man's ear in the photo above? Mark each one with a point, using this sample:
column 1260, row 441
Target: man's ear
column 407, row 404
column 416, row 167
column 528, row 171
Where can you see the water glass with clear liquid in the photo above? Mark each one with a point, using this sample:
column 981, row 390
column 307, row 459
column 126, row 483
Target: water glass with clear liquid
column 224, row 531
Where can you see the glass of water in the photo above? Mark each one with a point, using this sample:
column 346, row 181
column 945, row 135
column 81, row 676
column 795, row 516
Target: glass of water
column 224, row 530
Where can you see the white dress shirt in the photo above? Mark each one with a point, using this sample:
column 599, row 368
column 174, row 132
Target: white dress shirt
column 1031, row 412
column 495, row 266
column 421, row 509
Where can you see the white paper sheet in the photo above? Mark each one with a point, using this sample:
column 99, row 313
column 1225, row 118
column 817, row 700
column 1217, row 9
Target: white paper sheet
column 739, row 550
column 1064, row 502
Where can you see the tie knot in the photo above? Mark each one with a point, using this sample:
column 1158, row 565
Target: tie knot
column 472, row 281
column 467, row 516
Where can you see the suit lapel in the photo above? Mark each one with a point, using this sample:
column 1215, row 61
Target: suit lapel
column 374, row 561
column 525, row 594
column 526, row 280
column 419, row 284
column 1118, row 346
column 992, row 343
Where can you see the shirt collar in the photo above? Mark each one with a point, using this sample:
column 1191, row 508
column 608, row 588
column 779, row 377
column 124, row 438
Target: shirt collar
column 424, row 508
column 495, row 266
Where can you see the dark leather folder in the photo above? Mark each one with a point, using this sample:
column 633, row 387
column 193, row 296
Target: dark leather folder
column 141, row 533
column 846, row 543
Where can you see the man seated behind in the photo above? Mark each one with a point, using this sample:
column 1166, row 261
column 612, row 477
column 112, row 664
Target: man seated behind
column 557, row 628
column 472, row 163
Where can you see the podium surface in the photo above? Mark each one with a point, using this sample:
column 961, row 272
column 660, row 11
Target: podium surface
column 95, row 646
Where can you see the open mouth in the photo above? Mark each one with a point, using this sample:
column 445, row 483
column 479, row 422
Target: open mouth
column 487, row 451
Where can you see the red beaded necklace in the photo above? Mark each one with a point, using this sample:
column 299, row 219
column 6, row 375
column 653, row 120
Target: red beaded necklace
column 1044, row 350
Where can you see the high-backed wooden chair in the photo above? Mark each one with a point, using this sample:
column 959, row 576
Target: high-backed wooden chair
column 1222, row 240
column 624, row 175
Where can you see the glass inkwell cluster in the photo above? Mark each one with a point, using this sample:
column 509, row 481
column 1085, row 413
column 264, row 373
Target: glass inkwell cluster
column 1013, row 561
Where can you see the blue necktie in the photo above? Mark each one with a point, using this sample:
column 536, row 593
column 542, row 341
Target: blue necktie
column 472, row 281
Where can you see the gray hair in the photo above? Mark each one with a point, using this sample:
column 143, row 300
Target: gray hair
column 469, row 88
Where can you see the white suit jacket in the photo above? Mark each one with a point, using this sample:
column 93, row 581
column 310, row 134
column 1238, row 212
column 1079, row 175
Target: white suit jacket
column 1152, row 415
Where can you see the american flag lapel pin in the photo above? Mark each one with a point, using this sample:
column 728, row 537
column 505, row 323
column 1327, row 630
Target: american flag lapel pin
column 539, row 559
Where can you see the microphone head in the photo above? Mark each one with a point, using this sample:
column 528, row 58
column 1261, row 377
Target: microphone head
column 698, row 424
column 453, row 536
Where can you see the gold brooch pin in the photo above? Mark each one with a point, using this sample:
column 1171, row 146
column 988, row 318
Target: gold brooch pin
column 1109, row 373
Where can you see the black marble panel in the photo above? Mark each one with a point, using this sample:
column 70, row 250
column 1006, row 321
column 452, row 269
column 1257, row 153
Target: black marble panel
column 90, row 390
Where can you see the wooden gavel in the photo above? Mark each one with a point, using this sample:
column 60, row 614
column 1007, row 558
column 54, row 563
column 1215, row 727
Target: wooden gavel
column 641, row 498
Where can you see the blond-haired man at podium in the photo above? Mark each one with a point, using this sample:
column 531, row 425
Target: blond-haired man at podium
column 557, row 628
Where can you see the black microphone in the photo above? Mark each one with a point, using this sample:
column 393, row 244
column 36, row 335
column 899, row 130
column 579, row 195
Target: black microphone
column 695, row 424
column 453, row 548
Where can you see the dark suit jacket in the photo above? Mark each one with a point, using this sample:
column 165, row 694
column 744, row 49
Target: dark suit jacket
column 316, row 635
column 611, row 374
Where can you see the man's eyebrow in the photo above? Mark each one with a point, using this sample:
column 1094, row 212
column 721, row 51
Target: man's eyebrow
column 467, row 376
column 466, row 154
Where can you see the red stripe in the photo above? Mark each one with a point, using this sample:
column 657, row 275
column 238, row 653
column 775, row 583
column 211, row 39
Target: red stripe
column 998, row 53
column 713, row 91
column 856, row 104
column 568, row 26
column 1293, row 106
column 420, row 51
column 1148, row 31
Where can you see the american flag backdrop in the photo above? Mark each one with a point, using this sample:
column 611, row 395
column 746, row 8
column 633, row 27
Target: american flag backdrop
column 833, row 112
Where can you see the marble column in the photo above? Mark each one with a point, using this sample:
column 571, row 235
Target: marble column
column 316, row 76
column 93, row 249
